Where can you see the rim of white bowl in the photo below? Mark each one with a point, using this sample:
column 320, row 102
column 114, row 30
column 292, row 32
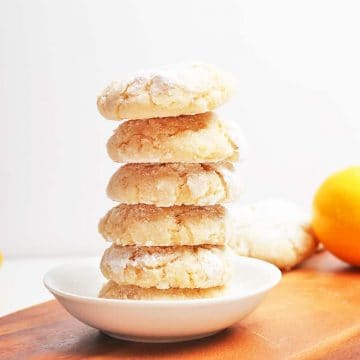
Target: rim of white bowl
column 233, row 296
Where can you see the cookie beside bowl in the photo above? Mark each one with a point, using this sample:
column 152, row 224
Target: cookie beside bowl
column 272, row 230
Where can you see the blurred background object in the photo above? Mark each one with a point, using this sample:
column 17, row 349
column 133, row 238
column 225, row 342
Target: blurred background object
column 336, row 214
column 274, row 230
column 298, row 76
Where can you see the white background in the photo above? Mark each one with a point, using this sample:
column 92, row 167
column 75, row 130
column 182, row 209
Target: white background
column 297, row 65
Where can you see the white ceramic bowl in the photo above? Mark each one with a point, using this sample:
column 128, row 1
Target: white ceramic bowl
column 76, row 287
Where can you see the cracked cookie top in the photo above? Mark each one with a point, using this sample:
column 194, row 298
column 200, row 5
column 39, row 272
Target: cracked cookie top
column 148, row 225
column 167, row 267
column 173, row 90
column 190, row 139
column 174, row 184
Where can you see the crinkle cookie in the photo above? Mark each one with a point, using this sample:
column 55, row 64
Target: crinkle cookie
column 182, row 89
column 273, row 230
column 166, row 267
column 190, row 139
column 148, row 225
column 174, row 184
column 111, row 290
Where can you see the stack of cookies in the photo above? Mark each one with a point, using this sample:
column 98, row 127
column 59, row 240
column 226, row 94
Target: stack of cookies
column 168, row 231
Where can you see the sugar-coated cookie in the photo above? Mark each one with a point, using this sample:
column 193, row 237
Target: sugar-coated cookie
column 169, row 91
column 273, row 230
column 111, row 290
column 166, row 267
column 148, row 225
column 189, row 139
column 174, row 184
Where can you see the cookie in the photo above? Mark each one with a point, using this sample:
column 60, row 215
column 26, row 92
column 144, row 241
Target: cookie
column 170, row 91
column 148, row 225
column 111, row 290
column 189, row 139
column 166, row 267
column 174, row 184
column 273, row 230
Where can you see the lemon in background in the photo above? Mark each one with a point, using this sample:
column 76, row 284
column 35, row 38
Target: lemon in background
column 336, row 214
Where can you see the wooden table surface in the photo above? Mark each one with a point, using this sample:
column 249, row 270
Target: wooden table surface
column 313, row 314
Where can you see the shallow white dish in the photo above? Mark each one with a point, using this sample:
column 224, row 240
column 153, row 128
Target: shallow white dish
column 76, row 287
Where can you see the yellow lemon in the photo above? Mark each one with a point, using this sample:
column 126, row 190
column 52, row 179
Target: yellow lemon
column 336, row 214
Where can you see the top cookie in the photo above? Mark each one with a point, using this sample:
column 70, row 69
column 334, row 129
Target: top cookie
column 169, row 91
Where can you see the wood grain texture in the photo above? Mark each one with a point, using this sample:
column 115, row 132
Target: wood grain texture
column 313, row 314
